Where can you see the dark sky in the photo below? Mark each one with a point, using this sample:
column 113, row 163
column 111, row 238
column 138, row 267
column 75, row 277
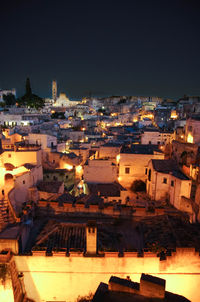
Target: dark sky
column 103, row 48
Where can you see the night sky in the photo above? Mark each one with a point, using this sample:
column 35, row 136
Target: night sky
column 101, row 48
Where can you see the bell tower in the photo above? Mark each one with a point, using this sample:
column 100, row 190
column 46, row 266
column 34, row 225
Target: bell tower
column 54, row 90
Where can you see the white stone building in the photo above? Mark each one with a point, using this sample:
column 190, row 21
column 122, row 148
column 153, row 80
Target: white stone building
column 166, row 182
column 100, row 171
column 133, row 162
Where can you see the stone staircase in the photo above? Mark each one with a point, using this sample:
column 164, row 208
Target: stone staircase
column 6, row 216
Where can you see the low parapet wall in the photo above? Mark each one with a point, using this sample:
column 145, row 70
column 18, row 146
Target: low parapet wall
column 180, row 252
column 52, row 207
column 58, row 276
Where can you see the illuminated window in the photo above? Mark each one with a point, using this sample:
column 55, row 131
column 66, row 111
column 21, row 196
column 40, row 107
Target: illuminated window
column 190, row 138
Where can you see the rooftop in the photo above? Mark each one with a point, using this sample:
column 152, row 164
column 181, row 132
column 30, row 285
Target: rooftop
column 168, row 166
column 11, row 232
column 49, row 186
column 141, row 149
column 106, row 190
column 124, row 282
column 152, row 279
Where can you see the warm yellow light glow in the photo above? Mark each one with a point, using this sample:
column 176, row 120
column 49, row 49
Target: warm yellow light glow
column 52, row 111
column 68, row 167
column 150, row 116
column 190, row 138
column 118, row 158
column 79, row 169
column 119, row 178
column 174, row 115
column 135, row 119
column 83, row 129
column 18, row 170
column 5, row 133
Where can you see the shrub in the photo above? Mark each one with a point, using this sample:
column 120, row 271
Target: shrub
column 138, row 186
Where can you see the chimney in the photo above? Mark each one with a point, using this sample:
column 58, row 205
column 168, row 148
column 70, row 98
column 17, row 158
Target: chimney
column 91, row 238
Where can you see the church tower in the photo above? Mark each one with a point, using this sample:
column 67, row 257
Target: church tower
column 54, row 90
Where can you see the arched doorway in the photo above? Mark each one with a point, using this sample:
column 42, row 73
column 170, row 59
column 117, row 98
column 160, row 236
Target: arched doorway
column 9, row 167
column 8, row 180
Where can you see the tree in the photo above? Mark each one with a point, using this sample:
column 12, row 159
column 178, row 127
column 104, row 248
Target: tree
column 28, row 87
column 138, row 186
column 9, row 99
column 29, row 99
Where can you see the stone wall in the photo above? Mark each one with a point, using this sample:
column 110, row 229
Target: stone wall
column 65, row 278
column 52, row 207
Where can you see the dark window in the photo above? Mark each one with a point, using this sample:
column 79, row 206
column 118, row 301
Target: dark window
column 172, row 183
column 23, row 182
column 165, row 180
column 55, row 178
column 149, row 142
column 47, row 176
column 127, row 170
column 53, row 161
column 9, row 155
column 66, row 176
column 149, row 175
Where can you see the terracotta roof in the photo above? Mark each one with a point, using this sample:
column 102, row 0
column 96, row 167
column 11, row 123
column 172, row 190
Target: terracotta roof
column 61, row 236
column 65, row 198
